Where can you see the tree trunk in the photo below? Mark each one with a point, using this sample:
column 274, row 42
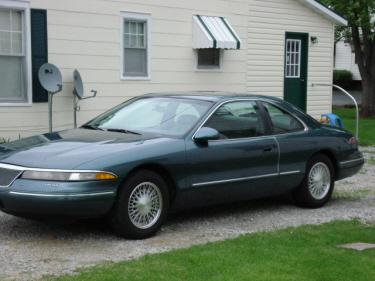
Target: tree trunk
column 364, row 47
column 368, row 96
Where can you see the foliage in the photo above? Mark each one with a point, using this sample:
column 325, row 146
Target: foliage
column 343, row 33
column 305, row 254
column 358, row 12
column 4, row 140
column 342, row 78
column 361, row 33
column 366, row 125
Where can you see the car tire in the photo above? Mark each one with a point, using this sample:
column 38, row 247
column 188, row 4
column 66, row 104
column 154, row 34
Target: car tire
column 318, row 184
column 141, row 206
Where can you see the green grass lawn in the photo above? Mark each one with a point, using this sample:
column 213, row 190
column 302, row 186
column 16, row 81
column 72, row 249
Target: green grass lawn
column 366, row 126
column 301, row 254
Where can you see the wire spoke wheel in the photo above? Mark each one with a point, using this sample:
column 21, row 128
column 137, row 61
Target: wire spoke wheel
column 145, row 205
column 319, row 181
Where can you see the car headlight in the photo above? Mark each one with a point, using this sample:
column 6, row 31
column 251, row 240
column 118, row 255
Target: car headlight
column 68, row 176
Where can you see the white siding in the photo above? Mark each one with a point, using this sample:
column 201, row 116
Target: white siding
column 269, row 20
column 85, row 34
column 345, row 59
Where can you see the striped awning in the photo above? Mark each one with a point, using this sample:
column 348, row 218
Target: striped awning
column 214, row 32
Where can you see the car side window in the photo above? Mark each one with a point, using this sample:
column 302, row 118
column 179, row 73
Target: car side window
column 236, row 120
column 282, row 121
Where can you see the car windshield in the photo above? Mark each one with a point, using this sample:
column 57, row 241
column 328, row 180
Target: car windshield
column 161, row 115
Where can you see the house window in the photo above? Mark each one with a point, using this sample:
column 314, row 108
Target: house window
column 209, row 58
column 14, row 68
column 136, row 37
column 293, row 58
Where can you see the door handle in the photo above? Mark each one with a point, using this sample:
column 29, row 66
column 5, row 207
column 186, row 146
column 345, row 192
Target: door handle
column 268, row 149
column 302, row 80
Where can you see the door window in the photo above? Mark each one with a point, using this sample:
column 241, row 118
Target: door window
column 237, row 120
column 282, row 122
column 293, row 58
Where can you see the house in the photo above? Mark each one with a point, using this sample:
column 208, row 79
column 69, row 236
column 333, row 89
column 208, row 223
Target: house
column 125, row 48
column 345, row 59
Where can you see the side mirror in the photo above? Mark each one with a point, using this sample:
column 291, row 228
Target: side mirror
column 206, row 134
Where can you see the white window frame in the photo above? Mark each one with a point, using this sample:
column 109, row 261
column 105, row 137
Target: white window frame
column 146, row 17
column 24, row 6
column 293, row 53
column 208, row 69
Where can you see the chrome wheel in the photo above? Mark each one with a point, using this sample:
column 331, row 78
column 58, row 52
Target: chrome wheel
column 145, row 205
column 319, row 181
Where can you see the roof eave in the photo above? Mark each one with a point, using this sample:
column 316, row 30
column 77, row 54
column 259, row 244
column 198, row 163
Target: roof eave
column 326, row 12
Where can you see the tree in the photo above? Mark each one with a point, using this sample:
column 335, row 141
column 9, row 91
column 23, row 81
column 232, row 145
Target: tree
column 361, row 32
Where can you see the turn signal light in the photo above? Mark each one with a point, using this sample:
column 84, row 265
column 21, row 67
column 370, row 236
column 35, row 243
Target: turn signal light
column 105, row 176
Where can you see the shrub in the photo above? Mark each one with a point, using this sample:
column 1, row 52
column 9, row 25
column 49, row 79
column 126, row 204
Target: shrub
column 3, row 140
column 343, row 78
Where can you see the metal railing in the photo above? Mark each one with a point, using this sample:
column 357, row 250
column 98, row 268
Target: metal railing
column 352, row 98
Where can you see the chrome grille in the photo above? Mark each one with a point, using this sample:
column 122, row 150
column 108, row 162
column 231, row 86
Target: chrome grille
column 7, row 176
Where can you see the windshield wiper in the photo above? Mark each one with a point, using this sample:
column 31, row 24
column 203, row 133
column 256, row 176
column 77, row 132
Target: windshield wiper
column 91, row 127
column 123, row 131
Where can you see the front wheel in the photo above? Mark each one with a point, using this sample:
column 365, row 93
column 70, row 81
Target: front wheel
column 318, row 184
column 141, row 207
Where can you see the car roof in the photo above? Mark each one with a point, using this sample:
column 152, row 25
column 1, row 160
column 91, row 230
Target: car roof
column 213, row 96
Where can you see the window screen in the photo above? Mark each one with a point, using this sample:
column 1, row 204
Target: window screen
column 282, row 122
column 237, row 120
column 135, row 48
column 12, row 58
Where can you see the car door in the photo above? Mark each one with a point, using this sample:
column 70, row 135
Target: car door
column 294, row 143
column 242, row 164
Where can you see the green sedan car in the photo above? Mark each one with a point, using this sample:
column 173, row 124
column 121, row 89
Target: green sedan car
column 167, row 152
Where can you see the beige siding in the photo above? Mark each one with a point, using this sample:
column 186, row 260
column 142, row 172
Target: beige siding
column 268, row 22
column 85, row 34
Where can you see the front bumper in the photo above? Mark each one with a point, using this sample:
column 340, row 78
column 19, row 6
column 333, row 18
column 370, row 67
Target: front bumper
column 31, row 198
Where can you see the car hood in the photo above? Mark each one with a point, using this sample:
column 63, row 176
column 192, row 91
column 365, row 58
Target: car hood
column 69, row 149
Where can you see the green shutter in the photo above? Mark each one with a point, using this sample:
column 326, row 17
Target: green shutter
column 39, row 51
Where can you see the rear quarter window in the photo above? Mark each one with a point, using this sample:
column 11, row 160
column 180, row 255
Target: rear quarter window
column 282, row 122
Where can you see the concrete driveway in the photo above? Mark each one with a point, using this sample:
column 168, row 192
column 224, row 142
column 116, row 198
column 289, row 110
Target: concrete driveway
column 340, row 99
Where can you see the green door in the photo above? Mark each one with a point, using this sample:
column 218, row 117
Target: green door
column 295, row 76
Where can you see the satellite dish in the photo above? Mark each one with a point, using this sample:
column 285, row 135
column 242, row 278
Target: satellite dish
column 78, row 85
column 50, row 78
column 79, row 94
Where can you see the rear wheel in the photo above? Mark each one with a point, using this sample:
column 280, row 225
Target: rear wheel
column 141, row 207
column 317, row 187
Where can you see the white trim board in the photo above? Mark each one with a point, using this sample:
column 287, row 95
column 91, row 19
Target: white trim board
column 15, row 4
column 324, row 11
